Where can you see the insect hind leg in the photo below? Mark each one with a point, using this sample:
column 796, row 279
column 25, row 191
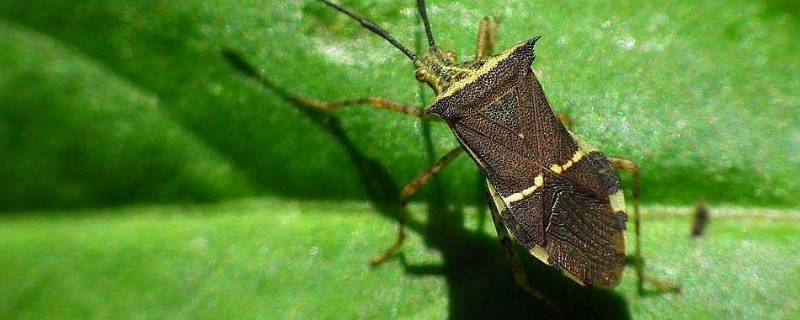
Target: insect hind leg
column 520, row 277
column 637, row 259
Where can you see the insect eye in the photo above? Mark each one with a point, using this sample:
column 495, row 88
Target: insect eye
column 421, row 74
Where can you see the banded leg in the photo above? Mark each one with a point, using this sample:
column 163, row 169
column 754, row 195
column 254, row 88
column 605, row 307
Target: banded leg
column 375, row 102
column 424, row 177
column 638, row 260
column 487, row 37
column 247, row 69
column 398, row 242
column 513, row 260
column 406, row 193
column 566, row 120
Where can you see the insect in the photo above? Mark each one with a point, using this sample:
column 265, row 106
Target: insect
column 555, row 196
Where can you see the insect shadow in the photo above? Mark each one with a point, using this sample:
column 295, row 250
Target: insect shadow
column 480, row 285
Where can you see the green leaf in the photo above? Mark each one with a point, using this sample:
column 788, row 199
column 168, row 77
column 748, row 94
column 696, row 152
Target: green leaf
column 73, row 134
column 275, row 259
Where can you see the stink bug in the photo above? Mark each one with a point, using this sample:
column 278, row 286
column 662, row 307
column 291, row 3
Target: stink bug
column 553, row 195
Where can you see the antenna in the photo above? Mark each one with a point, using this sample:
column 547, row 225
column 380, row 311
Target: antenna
column 372, row 27
column 424, row 15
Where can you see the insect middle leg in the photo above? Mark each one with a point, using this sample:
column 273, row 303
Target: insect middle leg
column 638, row 260
column 406, row 193
column 409, row 189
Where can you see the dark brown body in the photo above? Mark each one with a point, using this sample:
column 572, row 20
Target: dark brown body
column 559, row 200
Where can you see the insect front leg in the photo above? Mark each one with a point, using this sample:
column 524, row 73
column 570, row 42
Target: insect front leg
column 247, row 69
column 407, row 192
column 375, row 102
column 638, row 260
column 487, row 37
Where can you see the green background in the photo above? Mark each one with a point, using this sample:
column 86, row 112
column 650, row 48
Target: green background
column 117, row 103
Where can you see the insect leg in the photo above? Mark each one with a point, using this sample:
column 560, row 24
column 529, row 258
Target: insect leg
column 566, row 120
column 407, row 192
column 423, row 177
column 513, row 260
column 487, row 37
column 638, row 260
column 247, row 69
column 398, row 242
column 375, row 102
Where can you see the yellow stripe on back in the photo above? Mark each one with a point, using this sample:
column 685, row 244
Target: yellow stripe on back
column 490, row 63
column 514, row 197
column 577, row 156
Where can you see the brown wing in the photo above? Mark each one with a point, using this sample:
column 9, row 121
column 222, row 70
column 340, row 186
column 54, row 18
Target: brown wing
column 555, row 194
